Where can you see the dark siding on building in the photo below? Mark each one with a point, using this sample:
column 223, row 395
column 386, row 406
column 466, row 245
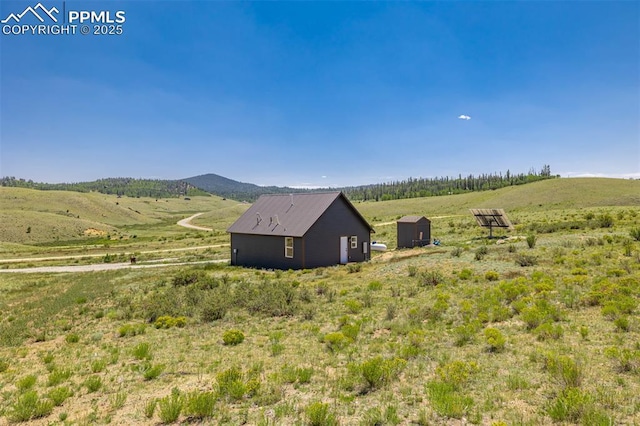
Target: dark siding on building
column 316, row 222
column 337, row 221
column 264, row 251
column 409, row 233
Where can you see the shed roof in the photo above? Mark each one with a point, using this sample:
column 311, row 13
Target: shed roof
column 290, row 215
column 411, row 219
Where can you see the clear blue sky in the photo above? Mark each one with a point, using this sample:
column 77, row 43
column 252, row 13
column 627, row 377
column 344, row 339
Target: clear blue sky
column 324, row 93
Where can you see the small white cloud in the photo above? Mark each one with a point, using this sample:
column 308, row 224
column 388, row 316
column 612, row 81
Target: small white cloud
column 464, row 117
column 324, row 177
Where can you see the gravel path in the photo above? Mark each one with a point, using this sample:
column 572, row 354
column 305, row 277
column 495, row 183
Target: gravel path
column 101, row 267
column 186, row 223
column 80, row 256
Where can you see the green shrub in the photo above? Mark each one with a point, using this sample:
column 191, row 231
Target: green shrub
column 626, row 360
column 200, row 405
column 299, row 375
column 232, row 337
column 481, row 252
column 267, row 297
column 231, row 384
column 375, row 286
column 372, row 417
column 412, row 270
column 456, row 373
column 93, row 383
column 150, row 372
column 98, row 365
column 335, row 341
column 495, row 340
column 58, row 376
column 142, row 351
column 25, row 383
column 531, row 241
column 635, row 233
column 491, row 276
column 150, row 408
column 547, row 331
column 167, row 321
column 465, row 274
column 564, row 370
column 354, row 306
column 4, row 365
column 447, row 401
column 622, row 323
column 604, row 220
column 72, row 338
column 430, row 278
column 456, row 252
column 304, row 374
column 354, row 267
column 170, row 407
column 391, row 311
column 118, row 399
column 214, row 306
column 464, row 333
column 128, row 330
column 526, row 260
column 29, row 406
column 185, row 278
column 571, row 405
column 379, row 371
column 59, row 395
column 318, row 414
column 515, row 382
column 414, row 346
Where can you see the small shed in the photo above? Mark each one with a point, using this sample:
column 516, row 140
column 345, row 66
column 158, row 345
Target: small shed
column 413, row 231
column 298, row 231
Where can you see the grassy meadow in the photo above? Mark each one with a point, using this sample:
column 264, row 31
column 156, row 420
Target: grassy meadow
column 537, row 326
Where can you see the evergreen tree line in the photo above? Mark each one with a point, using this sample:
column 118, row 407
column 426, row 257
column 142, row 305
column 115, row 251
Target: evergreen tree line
column 428, row 187
column 410, row 188
column 129, row 187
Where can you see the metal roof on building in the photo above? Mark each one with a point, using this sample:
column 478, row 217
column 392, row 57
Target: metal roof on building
column 289, row 215
column 411, row 219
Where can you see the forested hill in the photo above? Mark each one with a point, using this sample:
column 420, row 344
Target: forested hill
column 427, row 187
column 119, row 186
column 228, row 188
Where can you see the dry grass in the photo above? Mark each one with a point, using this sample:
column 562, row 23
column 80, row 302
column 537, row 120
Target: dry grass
column 424, row 339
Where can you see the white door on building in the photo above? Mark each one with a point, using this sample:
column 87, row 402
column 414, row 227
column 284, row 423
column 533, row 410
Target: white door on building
column 344, row 250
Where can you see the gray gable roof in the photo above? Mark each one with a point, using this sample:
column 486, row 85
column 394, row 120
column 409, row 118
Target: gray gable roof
column 411, row 219
column 289, row 215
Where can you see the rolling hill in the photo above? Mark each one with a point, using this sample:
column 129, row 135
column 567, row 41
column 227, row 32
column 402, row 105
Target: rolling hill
column 66, row 215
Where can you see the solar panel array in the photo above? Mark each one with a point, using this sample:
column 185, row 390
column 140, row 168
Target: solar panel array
column 491, row 218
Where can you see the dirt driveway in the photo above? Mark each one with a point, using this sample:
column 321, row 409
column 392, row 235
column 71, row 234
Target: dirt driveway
column 102, row 267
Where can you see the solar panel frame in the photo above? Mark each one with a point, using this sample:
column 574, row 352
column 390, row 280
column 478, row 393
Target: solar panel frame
column 491, row 218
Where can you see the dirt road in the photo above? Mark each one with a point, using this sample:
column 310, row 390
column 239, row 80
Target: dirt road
column 430, row 217
column 186, row 223
column 102, row 267
column 80, row 256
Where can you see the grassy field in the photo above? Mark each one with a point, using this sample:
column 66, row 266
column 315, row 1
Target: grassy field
column 539, row 326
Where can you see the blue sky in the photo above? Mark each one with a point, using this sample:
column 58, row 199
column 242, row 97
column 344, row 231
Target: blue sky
column 324, row 93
